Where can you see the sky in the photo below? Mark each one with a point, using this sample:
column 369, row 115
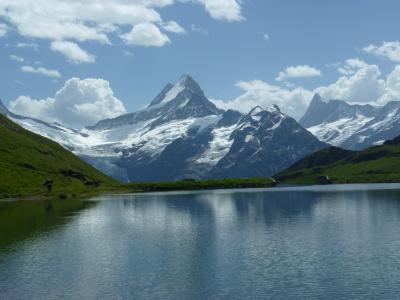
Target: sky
column 79, row 61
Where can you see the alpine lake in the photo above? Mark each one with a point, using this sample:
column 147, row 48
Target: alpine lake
column 313, row 242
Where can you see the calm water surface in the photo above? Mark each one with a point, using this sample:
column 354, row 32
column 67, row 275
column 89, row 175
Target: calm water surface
column 335, row 242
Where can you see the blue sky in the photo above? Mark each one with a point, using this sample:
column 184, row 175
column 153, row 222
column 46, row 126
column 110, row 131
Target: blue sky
column 234, row 49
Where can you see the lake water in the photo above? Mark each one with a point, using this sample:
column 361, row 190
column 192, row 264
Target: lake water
column 331, row 242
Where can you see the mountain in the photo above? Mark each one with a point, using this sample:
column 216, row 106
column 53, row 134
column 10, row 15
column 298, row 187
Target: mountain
column 352, row 126
column 181, row 134
column 374, row 164
column 27, row 160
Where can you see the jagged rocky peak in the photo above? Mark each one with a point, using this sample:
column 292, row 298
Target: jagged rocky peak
column 316, row 99
column 316, row 111
column 229, row 118
column 320, row 111
column 184, row 99
column 162, row 94
column 186, row 84
column 273, row 108
column 255, row 111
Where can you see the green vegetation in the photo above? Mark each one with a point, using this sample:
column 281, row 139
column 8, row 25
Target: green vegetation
column 27, row 160
column 191, row 184
column 375, row 164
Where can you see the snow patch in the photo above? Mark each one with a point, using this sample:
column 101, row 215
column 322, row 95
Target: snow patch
column 339, row 131
column 173, row 92
column 218, row 147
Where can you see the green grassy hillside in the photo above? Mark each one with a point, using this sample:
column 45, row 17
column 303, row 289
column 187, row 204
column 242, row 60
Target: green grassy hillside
column 375, row 164
column 27, row 160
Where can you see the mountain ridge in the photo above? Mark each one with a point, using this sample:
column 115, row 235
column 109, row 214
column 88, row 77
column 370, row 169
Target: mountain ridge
column 182, row 134
column 352, row 126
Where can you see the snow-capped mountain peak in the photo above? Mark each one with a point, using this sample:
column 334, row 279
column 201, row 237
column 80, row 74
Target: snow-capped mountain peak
column 186, row 84
column 182, row 134
column 182, row 100
column 352, row 126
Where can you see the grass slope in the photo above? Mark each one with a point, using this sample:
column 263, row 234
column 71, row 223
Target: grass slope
column 375, row 164
column 27, row 160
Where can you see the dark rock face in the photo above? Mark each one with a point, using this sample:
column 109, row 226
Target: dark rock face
column 266, row 142
column 181, row 134
column 352, row 126
column 175, row 162
column 319, row 111
column 183, row 100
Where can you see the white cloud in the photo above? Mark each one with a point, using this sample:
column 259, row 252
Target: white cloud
column 225, row 10
column 199, row 30
column 78, row 103
column 300, row 71
column 257, row 92
column 73, row 52
column 392, row 87
column 3, row 29
column 389, row 50
column 41, row 71
column 137, row 22
column 361, row 85
column 350, row 66
column 266, row 37
column 16, row 58
column 145, row 34
column 173, row 27
column 79, row 20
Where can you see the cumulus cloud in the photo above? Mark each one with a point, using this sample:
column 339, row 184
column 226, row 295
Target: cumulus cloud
column 137, row 22
column 225, row 10
column 257, row 92
column 388, row 50
column 78, row 103
column 361, row 83
column 392, row 87
column 173, row 27
column 41, row 71
column 350, row 66
column 300, row 71
column 145, row 34
column 72, row 52
column 3, row 29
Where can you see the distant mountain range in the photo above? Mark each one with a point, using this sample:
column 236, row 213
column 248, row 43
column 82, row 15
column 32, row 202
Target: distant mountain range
column 181, row 134
column 352, row 126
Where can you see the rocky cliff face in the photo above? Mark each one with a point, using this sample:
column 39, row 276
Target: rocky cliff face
column 181, row 134
column 352, row 126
